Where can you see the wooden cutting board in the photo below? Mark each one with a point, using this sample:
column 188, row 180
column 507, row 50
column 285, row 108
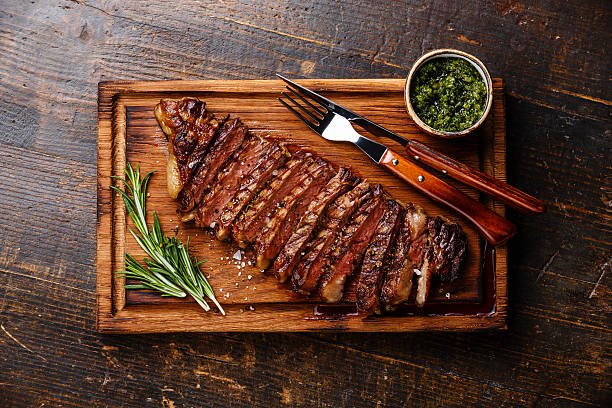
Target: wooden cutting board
column 255, row 301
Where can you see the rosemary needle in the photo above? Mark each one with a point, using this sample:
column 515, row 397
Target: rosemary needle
column 169, row 268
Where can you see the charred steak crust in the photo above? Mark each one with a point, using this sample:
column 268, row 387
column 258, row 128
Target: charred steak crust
column 250, row 186
column 446, row 251
column 226, row 185
column 375, row 259
column 257, row 215
column 406, row 256
column 290, row 253
column 307, row 273
column 350, row 247
column 318, row 226
column 189, row 128
column 229, row 140
column 289, row 211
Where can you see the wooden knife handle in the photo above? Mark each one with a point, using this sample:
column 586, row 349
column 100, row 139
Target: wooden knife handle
column 512, row 196
column 493, row 227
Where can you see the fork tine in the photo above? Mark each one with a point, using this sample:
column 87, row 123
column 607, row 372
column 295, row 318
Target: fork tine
column 303, row 119
column 321, row 100
column 317, row 110
column 303, row 109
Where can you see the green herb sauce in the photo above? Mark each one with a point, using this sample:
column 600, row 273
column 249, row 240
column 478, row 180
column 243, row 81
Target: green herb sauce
column 448, row 94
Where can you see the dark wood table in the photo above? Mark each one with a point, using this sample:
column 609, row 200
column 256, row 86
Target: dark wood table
column 555, row 58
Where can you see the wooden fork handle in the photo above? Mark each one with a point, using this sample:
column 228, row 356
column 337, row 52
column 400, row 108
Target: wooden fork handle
column 493, row 227
column 512, row 196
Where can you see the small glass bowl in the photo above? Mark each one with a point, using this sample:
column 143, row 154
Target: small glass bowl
column 445, row 53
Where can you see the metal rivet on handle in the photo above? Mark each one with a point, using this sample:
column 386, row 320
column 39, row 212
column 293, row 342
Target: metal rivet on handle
column 395, row 162
column 421, row 179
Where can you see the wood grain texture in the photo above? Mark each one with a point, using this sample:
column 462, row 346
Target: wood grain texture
column 128, row 130
column 555, row 59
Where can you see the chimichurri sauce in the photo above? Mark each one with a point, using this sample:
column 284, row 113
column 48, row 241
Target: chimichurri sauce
column 448, row 94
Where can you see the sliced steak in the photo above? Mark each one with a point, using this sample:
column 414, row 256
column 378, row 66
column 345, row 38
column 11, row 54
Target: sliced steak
column 309, row 270
column 375, row 259
column 406, row 256
column 228, row 142
column 249, row 186
column 291, row 252
column 447, row 249
column 290, row 210
column 190, row 129
column 252, row 220
column 350, row 247
column 255, row 151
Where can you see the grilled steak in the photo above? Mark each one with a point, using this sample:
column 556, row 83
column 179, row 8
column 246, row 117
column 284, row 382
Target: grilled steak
column 309, row 270
column 375, row 259
column 227, row 183
column 249, row 186
column 256, row 217
column 350, row 246
column 318, row 226
column 229, row 140
column 290, row 253
column 290, row 211
column 189, row 129
column 406, row 256
column 447, row 248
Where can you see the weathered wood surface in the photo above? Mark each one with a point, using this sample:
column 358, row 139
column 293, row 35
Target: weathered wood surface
column 555, row 59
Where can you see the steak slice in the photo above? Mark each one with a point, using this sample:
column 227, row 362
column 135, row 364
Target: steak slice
column 290, row 253
column 447, row 249
column 226, row 145
column 310, row 268
column 406, row 256
column 249, row 186
column 255, row 217
column 227, row 183
column 350, row 247
column 290, row 211
column 375, row 259
column 189, row 129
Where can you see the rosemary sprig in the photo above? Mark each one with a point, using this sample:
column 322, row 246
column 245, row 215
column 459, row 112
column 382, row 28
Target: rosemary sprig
column 169, row 268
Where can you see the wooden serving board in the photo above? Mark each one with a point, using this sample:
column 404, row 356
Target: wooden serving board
column 255, row 301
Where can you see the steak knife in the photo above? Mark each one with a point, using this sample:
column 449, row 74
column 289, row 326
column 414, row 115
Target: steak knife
column 420, row 152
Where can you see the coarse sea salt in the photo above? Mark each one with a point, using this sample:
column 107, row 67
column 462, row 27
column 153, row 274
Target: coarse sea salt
column 237, row 255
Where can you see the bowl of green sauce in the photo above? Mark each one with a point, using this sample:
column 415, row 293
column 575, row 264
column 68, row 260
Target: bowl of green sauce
column 448, row 93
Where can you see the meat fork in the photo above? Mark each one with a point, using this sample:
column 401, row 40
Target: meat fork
column 329, row 120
